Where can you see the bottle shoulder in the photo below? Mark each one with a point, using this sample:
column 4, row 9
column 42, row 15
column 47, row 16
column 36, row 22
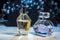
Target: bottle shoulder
column 23, row 17
column 45, row 22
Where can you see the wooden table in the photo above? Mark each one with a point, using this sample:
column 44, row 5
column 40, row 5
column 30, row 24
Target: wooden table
column 9, row 33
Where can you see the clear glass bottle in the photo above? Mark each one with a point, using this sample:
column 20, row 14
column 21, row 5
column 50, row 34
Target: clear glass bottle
column 43, row 27
column 23, row 22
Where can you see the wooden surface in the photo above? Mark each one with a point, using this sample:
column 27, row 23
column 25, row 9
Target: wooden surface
column 9, row 33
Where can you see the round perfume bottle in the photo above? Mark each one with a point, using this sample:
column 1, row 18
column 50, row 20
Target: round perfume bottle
column 43, row 27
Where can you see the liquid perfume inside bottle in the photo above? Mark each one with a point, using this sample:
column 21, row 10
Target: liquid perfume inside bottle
column 23, row 22
column 43, row 27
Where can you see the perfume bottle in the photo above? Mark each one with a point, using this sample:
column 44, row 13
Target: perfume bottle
column 43, row 27
column 23, row 22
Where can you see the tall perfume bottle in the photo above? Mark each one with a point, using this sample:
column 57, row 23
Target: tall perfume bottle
column 43, row 27
column 23, row 22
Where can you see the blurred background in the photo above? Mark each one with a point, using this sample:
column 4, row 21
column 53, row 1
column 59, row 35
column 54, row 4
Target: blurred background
column 9, row 10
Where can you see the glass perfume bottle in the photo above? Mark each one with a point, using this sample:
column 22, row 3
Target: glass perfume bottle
column 43, row 27
column 23, row 22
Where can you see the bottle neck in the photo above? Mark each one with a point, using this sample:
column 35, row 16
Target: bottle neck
column 42, row 18
column 23, row 10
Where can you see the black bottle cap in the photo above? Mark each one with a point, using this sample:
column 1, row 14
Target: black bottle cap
column 23, row 10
